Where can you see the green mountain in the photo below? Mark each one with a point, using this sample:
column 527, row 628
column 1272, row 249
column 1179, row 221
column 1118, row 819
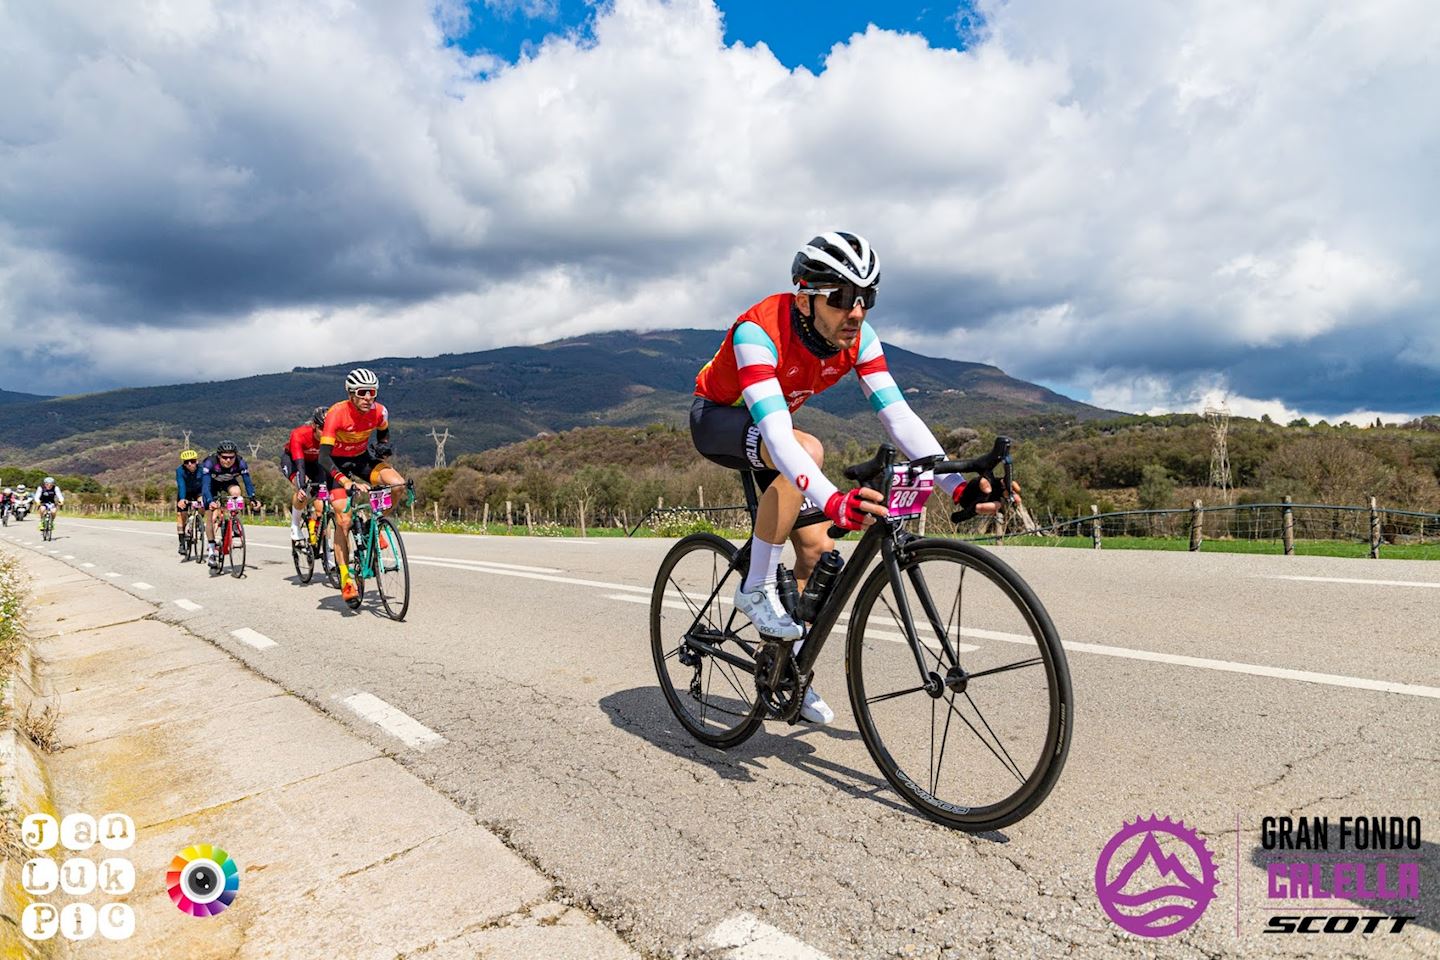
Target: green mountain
column 485, row 399
column 10, row 396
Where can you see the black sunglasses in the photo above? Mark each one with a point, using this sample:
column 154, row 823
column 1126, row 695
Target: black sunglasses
column 191, row 461
column 845, row 297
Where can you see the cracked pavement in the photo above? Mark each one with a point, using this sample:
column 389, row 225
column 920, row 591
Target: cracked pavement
column 558, row 740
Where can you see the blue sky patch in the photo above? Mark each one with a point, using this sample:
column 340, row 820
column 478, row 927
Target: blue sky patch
column 800, row 35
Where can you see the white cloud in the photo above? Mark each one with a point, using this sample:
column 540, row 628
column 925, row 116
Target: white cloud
column 1168, row 193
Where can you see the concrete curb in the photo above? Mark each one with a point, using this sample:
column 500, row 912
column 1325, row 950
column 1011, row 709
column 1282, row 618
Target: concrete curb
column 24, row 788
column 337, row 843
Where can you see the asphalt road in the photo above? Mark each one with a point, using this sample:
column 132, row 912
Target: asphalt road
column 1217, row 689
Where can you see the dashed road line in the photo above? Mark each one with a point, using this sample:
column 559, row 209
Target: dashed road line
column 189, row 605
column 253, row 637
column 88, row 566
column 112, row 575
column 69, row 556
column 142, row 585
column 744, row 937
column 395, row 722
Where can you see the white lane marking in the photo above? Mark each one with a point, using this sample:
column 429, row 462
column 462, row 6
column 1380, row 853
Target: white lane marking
column 1376, row 583
column 88, row 566
column 69, row 556
column 257, row 640
column 1281, row 673
column 141, row 585
column 112, row 574
column 487, row 563
column 189, row 605
column 54, row 551
column 395, row 722
column 743, row 937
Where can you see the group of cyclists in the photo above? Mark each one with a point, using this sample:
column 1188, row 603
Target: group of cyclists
column 329, row 457
column 20, row 500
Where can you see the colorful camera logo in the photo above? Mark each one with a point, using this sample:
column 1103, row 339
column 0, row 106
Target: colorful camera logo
column 202, row 880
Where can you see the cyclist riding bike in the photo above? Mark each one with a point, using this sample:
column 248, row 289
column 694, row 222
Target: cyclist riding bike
column 7, row 500
column 187, row 490
column 346, row 458
column 48, row 497
column 778, row 354
column 220, row 477
column 300, row 463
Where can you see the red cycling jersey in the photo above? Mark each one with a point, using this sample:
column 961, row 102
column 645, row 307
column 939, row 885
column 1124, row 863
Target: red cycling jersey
column 303, row 445
column 800, row 372
column 348, row 430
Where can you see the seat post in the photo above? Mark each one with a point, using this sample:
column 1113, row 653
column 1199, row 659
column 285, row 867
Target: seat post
column 752, row 495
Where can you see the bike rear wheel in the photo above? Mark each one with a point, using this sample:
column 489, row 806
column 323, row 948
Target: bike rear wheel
column 704, row 649
column 985, row 743
column 391, row 569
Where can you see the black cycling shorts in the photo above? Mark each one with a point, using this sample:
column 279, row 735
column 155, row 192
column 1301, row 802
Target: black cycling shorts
column 315, row 476
column 727, row 436
column 364, row 467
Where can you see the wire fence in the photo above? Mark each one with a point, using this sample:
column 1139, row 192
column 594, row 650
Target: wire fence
column 1282, row 524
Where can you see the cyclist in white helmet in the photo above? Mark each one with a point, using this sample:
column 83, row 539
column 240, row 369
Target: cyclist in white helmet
column 778, row 354
column 348, row 460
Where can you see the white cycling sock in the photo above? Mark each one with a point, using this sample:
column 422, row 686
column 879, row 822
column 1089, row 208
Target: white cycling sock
column 296, row 519
column 763, row 559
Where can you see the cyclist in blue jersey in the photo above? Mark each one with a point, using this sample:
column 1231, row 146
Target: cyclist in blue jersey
column 220, row 477
column 187, row 490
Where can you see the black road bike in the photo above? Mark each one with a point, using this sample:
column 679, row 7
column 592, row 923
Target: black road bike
column 957, row 679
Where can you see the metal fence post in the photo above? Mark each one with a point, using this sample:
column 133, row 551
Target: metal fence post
column 1289, row 525
column 1095, row 525
column 1374, row 531
column 1197, row 535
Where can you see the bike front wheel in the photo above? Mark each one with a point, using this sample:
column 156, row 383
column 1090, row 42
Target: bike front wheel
column 978, row 740
column 704, row 649
column 237, row 548
column 392, row 570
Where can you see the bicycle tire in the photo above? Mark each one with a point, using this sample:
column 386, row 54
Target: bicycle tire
column 1048, row 749
column 237, row 546
column 396, row 605
column 304, row 561
column 732, row 715
column 326, row 537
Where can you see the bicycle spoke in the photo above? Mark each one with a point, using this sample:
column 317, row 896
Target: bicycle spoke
column 898, row 693
column 1017, row 665
column 1005, row 761
column 944, row 740
column 1013, row 765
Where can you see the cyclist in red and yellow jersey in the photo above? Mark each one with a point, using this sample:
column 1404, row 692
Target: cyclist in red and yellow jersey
column 346, row 458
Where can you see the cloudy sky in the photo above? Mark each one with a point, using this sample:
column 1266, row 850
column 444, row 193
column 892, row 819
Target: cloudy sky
column 1141, row 204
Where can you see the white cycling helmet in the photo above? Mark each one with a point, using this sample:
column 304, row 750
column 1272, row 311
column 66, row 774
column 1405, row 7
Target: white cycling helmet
column 48, row 482
column 361, row 378
column 8, row 490
column 834, row 259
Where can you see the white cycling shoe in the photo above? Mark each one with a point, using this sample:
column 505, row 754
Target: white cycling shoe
column 815, row 709
column 762, row 605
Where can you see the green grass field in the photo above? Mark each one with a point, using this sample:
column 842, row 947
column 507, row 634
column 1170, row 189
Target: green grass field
column 1303, row 548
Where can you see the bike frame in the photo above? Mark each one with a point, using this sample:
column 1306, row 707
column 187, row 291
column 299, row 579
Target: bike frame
column 362, row 512
column 887, row 537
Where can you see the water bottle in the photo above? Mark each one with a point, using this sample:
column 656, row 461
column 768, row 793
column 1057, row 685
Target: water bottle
column 785, row 586
column 817, row 588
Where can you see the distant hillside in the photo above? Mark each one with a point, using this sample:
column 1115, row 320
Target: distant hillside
column 486, row 399
column 10, row 396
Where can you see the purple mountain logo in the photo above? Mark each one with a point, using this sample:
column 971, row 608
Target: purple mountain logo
column 1152, row 893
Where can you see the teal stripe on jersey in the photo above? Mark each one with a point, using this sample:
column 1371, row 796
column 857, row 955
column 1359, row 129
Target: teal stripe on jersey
column 867, row 336
column 885, row 396
column 752, row 335
column 762, row 408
